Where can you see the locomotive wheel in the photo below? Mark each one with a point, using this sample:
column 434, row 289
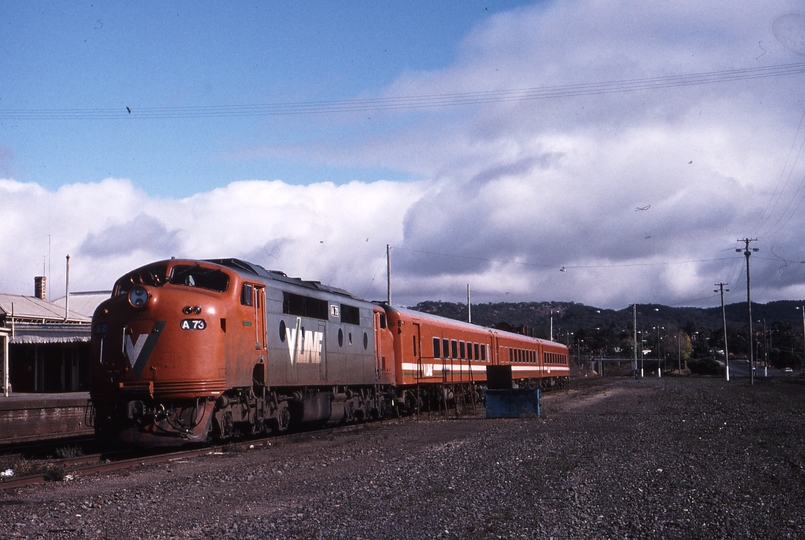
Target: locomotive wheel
column 283, row 417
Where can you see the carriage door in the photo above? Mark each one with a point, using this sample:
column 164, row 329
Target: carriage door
column 416, row 344
column 260, row 336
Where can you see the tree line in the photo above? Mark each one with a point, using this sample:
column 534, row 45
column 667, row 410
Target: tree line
column 673, row 334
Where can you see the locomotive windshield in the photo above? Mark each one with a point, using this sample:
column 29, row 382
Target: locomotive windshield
column 187, row 275
column 153, row 276
column 197, row 276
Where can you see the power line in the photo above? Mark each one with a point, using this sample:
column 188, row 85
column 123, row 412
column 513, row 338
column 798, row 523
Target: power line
column 406, row 102
column 564, row 267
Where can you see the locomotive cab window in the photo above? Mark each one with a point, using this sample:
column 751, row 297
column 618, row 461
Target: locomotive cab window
column 153, row 276
column 197, row 276
column 246, row 295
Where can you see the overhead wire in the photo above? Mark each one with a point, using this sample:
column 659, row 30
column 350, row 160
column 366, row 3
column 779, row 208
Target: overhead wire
column 560, row 267
column 777, row 193
column 794, row 201
column 406, row 102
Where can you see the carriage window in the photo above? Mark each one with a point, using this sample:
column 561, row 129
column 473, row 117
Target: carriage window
column 476, row 352
column 382, row 320
column 454, row 348
column 350, row 314
column 304, row 306
column 436, row 352
column 462, row 350
column 445, row 348
column 469, row 351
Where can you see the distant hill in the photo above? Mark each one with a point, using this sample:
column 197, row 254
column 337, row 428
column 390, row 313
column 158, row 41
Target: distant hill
column 570, row 316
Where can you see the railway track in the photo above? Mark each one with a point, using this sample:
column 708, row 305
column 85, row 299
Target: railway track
column 66, row 469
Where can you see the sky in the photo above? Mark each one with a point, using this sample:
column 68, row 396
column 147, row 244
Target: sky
column 606, row 153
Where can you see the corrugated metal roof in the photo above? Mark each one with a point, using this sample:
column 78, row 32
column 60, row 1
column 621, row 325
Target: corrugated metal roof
column 83, row 303
column 30, row 308
column 51, row 333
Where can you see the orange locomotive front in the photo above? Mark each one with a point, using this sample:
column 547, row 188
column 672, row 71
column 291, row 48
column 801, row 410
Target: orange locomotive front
column 161, row 342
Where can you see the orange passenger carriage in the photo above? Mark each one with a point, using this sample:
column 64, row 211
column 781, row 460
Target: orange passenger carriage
column 439, row 357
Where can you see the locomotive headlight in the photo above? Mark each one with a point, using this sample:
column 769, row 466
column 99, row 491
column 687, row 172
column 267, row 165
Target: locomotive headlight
column 138, row 296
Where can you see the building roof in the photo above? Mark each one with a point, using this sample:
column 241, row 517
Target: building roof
column 83, row 303
column 39, row 321
column 32, row 333
column 30, row 308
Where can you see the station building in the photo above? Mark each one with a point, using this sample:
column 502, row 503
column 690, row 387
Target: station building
column 45, row 345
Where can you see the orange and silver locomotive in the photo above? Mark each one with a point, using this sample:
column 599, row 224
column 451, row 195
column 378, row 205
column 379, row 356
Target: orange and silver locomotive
column 188, row 350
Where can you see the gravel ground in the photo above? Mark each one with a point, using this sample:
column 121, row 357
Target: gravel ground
column 609, row 458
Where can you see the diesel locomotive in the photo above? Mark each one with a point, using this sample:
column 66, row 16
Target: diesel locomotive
column 191, row 350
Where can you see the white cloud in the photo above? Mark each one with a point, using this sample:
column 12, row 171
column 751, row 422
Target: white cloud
column 517, row 189
column 335, row 234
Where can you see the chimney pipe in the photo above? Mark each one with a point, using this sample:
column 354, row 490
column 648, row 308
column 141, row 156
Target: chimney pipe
column 40, row 287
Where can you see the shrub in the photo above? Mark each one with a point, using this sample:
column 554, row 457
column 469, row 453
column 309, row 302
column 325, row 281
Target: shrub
column 705, row 366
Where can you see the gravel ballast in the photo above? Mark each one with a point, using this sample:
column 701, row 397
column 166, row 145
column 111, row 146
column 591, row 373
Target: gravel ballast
column 608, row 458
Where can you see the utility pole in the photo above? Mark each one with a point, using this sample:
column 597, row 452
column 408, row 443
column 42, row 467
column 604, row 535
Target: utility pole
column 724, row 323
column 469, row 306
column 67, row 291
column 634, row 331
column 803, row 332
column 747, row 254
column 388, row 272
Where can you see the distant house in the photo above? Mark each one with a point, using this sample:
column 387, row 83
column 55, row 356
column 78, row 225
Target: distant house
column 46, row 346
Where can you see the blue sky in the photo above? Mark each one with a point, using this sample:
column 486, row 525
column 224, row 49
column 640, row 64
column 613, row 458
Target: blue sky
column 90, row 56
column 597, row 152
